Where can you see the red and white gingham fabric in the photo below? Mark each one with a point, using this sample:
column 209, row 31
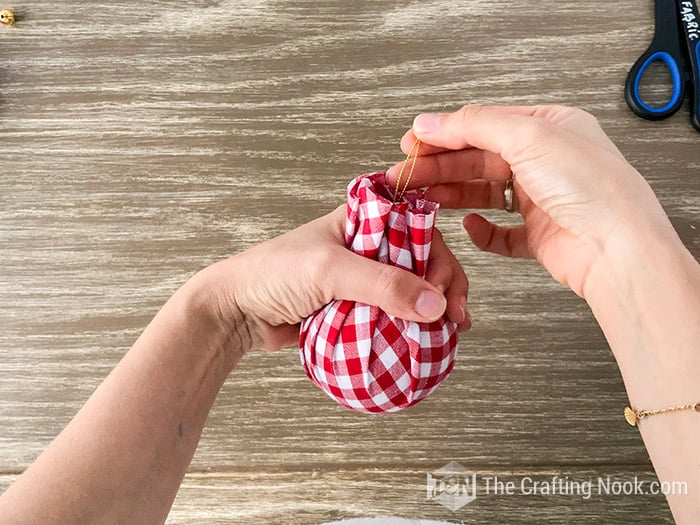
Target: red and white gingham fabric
column 362, row 357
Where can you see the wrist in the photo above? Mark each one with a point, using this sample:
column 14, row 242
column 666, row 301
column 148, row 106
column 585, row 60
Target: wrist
column 645, row 293
column 219, row 324
column 635, row 270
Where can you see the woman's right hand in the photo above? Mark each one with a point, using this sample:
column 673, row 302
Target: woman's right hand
column 595, row 224
column 581, row 201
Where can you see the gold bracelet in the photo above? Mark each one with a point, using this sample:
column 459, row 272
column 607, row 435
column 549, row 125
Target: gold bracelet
column 633, row 417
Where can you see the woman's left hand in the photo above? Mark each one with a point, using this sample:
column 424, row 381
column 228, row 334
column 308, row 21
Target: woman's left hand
column 262, row 294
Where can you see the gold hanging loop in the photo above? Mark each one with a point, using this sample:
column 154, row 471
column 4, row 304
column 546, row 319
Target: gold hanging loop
column 412, row 153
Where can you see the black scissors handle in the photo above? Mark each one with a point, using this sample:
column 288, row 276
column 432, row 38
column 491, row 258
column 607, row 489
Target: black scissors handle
column 666, row 47
column 690, row 21
column 676, row 43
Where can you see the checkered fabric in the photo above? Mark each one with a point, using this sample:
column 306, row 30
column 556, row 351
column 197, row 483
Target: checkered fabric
column 362, row 357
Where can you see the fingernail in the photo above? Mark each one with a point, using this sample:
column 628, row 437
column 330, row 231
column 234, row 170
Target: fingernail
column 426, row 122
column 466, row 323
column 463, row 308
column 430, row 305
column 390, row 172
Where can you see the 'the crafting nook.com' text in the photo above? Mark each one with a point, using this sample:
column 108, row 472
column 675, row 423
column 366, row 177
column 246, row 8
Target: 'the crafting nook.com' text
column 558, row 485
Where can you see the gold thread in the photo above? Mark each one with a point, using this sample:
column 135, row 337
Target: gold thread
column 411, row 153
column 633, row 417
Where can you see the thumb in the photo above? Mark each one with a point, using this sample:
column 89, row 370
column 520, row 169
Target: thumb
column 396, row 291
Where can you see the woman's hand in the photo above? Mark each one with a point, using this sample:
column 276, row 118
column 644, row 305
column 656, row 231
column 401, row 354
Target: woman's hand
column 577, row 195
column 143, row 423
column 264, row 293
column 595, row 224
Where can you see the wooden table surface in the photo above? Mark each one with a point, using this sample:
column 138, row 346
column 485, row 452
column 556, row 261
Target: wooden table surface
column 141, row 141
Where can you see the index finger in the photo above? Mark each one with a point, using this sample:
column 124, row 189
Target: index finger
column 499, row 130
column 431, row 146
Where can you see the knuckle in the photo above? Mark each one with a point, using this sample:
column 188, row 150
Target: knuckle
column 439, row 273
column 591, row 119
column 391, row 280
column 559, row 109
column 488, row 243
column 492, row 194
column 578, row 112
column 509, row 242
column 537, row 131
column 459, row 283
column 319, row 264
column 578, row 115
column 469, row 113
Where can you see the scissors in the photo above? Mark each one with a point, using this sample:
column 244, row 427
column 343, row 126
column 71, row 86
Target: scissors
column 676, row 43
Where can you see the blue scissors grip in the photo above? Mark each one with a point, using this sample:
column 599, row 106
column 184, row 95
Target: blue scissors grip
column 634, row 100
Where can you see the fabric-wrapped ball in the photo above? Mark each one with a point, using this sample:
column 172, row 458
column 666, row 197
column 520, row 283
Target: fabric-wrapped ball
column 362, row 357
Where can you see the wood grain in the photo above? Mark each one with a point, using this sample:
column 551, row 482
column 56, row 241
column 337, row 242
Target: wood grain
column 142, row 142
